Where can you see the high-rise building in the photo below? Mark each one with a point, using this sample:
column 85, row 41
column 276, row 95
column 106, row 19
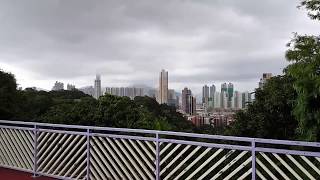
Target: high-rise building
column 224, row 99
column 122, row 91
column 58, row 86
column 97, row 86
column 224, row 87
column 227, row 92
column 217, row 100
column 71, row 87
column 263, row 80
column 205, row 94
column 177, row 102
column 192, row 105
column 230, row 95
column 184, row 99
column 163, row 87
column 246, row 99
column 212, row 91
column 230, row 90
column 211, row 96
column 237, row 100
column 172, row 98
column 188, row 102
column 130, row 92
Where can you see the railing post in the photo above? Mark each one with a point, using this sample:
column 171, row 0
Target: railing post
column 35, row 151
column 157, row 157
column 88, row 154
column 253, row 155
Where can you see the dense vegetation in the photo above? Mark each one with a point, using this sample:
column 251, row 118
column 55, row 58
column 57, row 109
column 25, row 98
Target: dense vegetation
column 270, row 115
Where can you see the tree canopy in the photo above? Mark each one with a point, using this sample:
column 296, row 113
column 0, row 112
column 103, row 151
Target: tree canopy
column 270, row 115
column 8, row 93
column 304, row 57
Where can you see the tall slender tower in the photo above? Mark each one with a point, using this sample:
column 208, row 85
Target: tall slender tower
column 212, row 91
column 185, row 100
column 230, row 94
column 205, row 94
column 188, row 102
column 97, row 87
column 224, row 87
column 163, row 87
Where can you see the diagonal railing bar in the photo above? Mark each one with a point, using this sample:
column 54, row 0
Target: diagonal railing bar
column 88, row 152
column 113, row 158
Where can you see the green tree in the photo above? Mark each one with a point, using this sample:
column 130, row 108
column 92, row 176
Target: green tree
column 81, row 112
column 304, row 57
column 313, row 7
column 270, row 115
column 32, row 103
column 165, row 117
column 8, row 93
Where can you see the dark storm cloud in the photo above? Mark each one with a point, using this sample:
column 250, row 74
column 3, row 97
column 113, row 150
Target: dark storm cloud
column 131, row 41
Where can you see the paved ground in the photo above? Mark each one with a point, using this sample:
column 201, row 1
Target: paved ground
column 8, row 174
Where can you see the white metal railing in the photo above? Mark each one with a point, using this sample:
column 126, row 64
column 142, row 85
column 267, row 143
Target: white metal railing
column 86, row 152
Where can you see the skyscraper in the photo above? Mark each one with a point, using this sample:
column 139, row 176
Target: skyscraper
column 230, row 95
column 188, row 101
column 205, row 94
column 192, row 105
column 263, row 80
column 212, row 95
column 246, row 99
column 237, row 100
column 217, row 100
column 97, row 87
column 212, row 91
column 224, row 99
column 172, row 98
column 163, row 87
column 224, row 87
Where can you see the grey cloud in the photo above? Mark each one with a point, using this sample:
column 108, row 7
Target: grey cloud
column 131, row 41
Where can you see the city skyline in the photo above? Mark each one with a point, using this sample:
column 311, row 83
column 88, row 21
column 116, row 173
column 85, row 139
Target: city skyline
column 90, row 89
column 218, row 38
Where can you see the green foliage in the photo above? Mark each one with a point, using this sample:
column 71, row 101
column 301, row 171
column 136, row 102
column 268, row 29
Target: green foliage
column 32, row 104
column 313, row 7
column 8, row 93
column 71, row 95
column 113, row 111
column 269, row 116
column 119, row 112
column 304, row 55
column 81, row 112
column 168, row 117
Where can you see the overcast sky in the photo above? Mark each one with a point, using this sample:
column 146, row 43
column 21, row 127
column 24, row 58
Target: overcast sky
column 129, row 41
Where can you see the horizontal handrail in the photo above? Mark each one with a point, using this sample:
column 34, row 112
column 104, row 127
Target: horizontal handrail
column 172, row 133
column 34, row 147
